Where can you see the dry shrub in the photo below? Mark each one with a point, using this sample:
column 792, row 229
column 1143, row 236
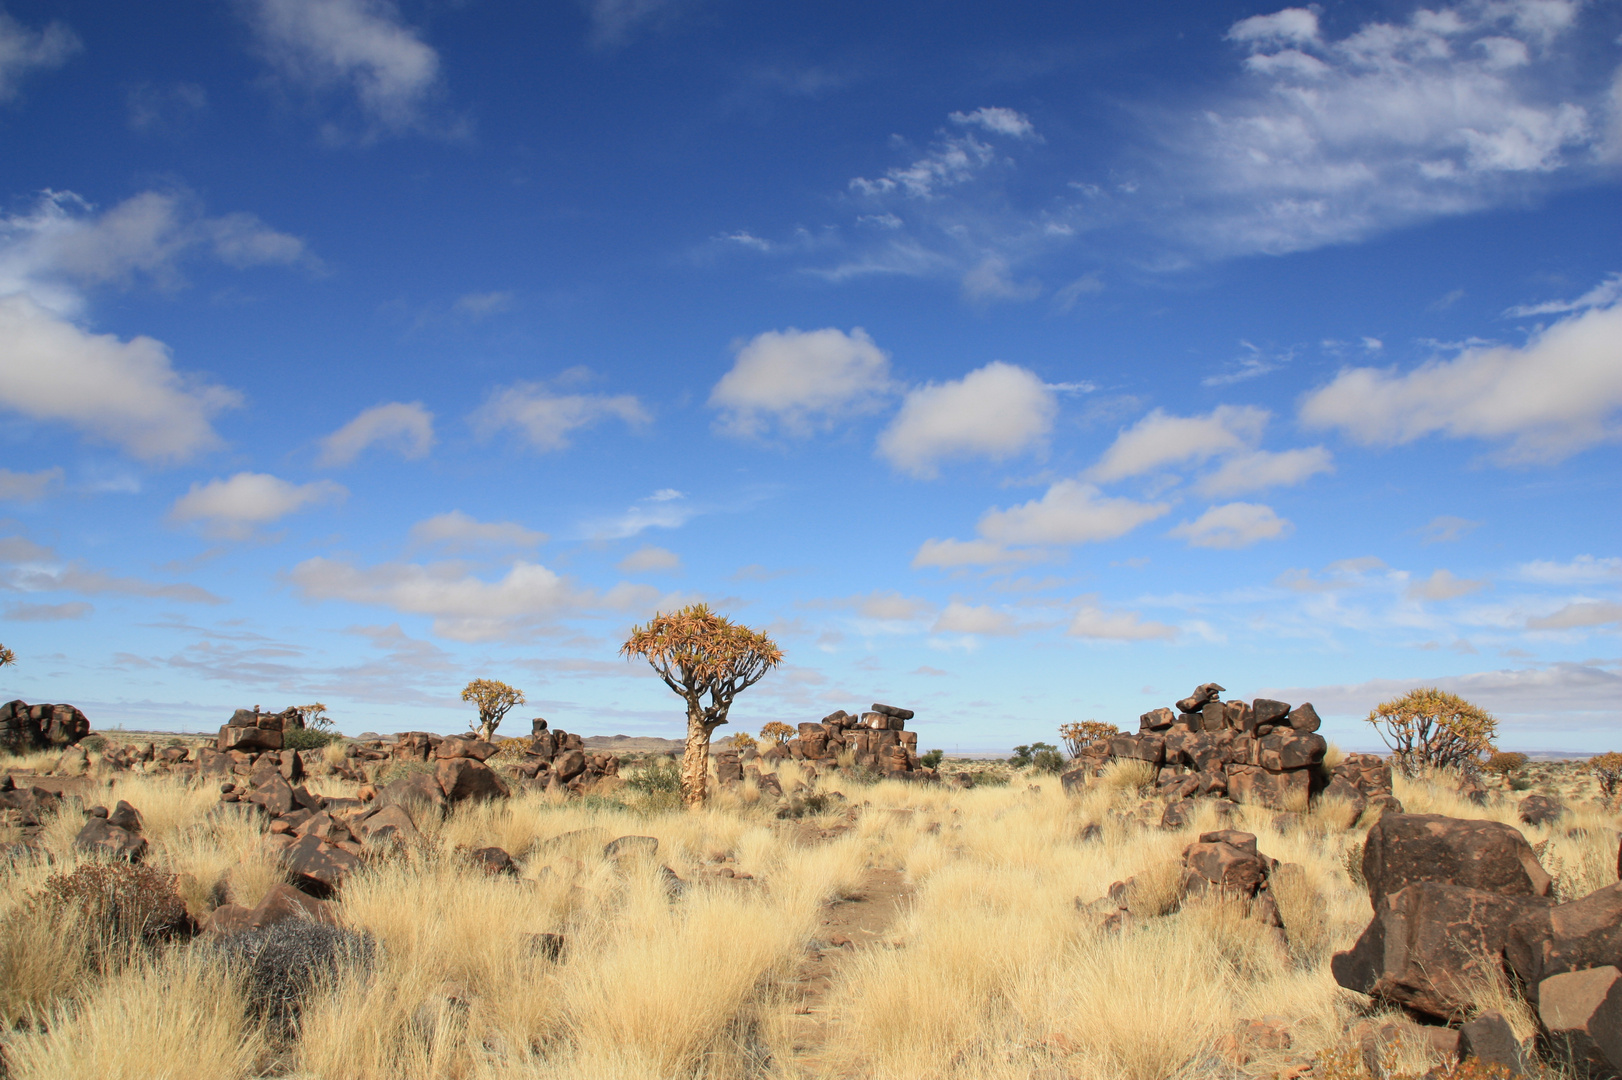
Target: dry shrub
column 1333, row 814
column 1156, row 890
column 1126, row 774
column 44, row 957
column 1301, row 905
column 129, row 903
column 180, row 1013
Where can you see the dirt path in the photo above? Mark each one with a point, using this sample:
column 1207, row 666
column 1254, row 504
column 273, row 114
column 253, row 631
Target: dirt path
column 856, row 922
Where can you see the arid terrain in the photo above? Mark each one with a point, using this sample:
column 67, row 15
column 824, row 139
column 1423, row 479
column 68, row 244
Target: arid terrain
column 847, row 929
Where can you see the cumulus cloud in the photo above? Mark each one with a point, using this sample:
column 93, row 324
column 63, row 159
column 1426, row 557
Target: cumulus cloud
column 126, row 393
column 1094, row 622
column 1583, row 570
column 1553, row 397
column 1261, row 469
column 1160, row 440
column 405, row 428
column 359, row 47
column 801, row 381
column 1070, row 512
column 456, row 532
column 1446, row 528
column 995, row 412
column 547, row 418
column 1330, row 140
column 998, row 121
column 463, row 607
column 1233, row 525
column 1443, row 585
column 949, row 554
column 231, row 509
column 961, row 618
column 650, row 560
column 24, row 51
column 28, row 487
column 1574, row 616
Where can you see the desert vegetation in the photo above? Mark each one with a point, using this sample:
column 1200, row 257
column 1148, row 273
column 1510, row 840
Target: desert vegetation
column 903, row 930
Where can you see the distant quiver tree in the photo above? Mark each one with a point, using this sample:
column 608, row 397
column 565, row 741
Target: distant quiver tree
column 698, row 653
column 7, row 657
column 494, row 700
column 1435, row 728
column 778, row 732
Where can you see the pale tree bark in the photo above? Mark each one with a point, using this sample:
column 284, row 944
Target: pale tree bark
column 695, row 758
column 487, row 729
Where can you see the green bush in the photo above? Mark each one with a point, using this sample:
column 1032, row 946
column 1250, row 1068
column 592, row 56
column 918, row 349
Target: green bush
column 932, row 760
column 657, row 776
column 307, row 738
column 1041, row 756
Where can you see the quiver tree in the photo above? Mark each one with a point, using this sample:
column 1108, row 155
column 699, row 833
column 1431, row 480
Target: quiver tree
column 1607, row 770
column 7, row 656
column 778, row 732
column 698, row 653
column 1432, row 727
column 1078, row 737
column 493, row 700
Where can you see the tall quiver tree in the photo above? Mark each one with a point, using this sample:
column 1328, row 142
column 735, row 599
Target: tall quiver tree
column 698, row 653
column 494, row 700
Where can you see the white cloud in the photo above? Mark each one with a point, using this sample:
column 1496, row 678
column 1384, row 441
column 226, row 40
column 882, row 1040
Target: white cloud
column 1442, row 585
column 1551, row 398
column 998, row 121
column 1446, row 528
column 1070, row 512
column 664, row 509
column 1582, row 613
column 949, row 554
column 950, row 162
column 63, row 244
column 1606, row 294
column 360, row 46
column 1330, row 140
column 1233, row 525
column 1261, row 469
column 1583, row 570
column 28, row 487
column 1093, row 621
column 122, row 392
column 480, row 305
column 1159, row 440
column 614, row 21
column 649, row 560
column 24, row 51
column 961, row 618
column 233, row 508
column 995, row 412
column 30, row 568
column 463, row 607
column 990, row 279
column 547, row 418
column 76, row 609
column 802, row 380
column 406, row 428
column 456, row 532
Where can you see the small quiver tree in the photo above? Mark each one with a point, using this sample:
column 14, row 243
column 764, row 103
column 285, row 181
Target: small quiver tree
column 778, row 732
column 698, row 653
column 1434, row 728
column 1078, row 737
column 494, row 700
column 1607, row 770
column 7, row 657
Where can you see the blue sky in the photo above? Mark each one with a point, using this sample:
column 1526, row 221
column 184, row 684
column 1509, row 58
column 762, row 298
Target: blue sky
column 1017, row 366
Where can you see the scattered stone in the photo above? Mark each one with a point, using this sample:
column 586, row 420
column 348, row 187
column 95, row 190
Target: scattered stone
column 494, row 861
column 1536, row 810
column 464, row 779
column 105, row 840
column 1585, row 933
column 1581, row 1012
column 1402, row 849
column 318, row 867
column 1487, row 1038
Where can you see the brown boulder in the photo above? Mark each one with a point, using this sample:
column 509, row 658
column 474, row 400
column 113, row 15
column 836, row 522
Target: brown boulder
column 1431, row 946
column 1284, row 748
column 390, row 824
column 1304, row 718
column 477, row 749
column 416, row 790
column 1405, row 848
column 1157, row 720
column 1150, row 748
column 1227, row 865
column 283, row 902
column 462, row 779
column 1581, row 934
column 1275, row 790
column 248, row 739
column 318, row 867
column 1540, row 810
column 100, row 838
column 569, row 764
column 1581, row 1012
column 1344, row 790
column 272, row 792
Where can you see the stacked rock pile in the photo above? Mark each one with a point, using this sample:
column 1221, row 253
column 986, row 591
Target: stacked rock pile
column 25, row 728
column 25, row 810
column 877, row 739
column 1224, row 863
column 1460, row 904
column 1265, row 752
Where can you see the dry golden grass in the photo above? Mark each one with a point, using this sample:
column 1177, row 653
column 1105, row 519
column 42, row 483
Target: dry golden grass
column 989, row 972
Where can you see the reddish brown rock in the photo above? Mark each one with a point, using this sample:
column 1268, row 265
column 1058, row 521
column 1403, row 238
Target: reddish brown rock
column 1275, row 790
column 109, row 841
column 1227, row 865
column 271, row 792
column 1581, row 934
column 283, row 902
column 390, row 824
column 1285, row 748
column 462, row 779
column 1581, row 1013
column 477, row 749
column 493, row 861
column 1430, row 946
column 1402, row 849
column 318, row 867
column 414, row 791
column 569, row 764
column 248, row 739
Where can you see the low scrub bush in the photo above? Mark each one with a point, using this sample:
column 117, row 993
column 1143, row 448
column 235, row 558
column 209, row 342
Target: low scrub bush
column 932, row 760
column 283, row 963
column 307, row 738
column 130, row 903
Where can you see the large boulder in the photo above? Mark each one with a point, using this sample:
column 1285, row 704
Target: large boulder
column 390, row 824
column 247, row 739
column 1581, row 934
column 318, row 867
column 464, row 779
column 1431, row 946
column 569, row 764
column 1402, row 849
column 415, row 792
column 1581, row 1014
column 1538, row 810
column 105, row 840
column 466, row 747
column 1275, row 790
column 1285, row 748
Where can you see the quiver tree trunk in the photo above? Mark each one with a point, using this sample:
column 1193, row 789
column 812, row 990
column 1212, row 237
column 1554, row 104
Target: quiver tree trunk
column 695, row 758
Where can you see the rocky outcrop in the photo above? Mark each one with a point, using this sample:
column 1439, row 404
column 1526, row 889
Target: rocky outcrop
column 25, row 728
column 877, row 739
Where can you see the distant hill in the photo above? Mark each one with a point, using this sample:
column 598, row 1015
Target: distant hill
column 634, row 744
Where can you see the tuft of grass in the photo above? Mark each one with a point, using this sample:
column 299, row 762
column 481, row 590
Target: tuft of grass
column 1125, row 774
